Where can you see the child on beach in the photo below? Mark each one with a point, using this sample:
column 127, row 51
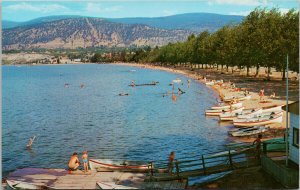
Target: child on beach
column 85, row 161
column 261, row 94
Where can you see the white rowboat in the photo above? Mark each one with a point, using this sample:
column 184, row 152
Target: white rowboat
column 257, row 121
column 247, row 112
column 219, row 112
column 177, row 80
column 14, row 184
column 110, row 165
column 238, row 98
column 210, row 83
column 220, row 107
column 249, row 131
column 271, row 109
column 256, row 115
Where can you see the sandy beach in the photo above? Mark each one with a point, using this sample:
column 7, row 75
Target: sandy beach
column 276, row 129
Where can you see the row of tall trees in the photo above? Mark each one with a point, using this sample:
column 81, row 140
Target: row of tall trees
column 263, row 39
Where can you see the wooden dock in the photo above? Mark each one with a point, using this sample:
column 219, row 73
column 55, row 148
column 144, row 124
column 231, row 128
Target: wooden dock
column 62, row 179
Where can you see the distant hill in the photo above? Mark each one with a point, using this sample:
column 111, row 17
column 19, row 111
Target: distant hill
column 11, row 24
column 87, row 32
column 196, row 22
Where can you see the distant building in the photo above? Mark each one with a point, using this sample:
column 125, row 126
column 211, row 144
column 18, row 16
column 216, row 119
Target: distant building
column 293, row 110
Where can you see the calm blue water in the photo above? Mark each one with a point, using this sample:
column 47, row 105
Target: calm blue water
column 142, row 126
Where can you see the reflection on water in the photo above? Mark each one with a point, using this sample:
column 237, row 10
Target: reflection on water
column 142, row 126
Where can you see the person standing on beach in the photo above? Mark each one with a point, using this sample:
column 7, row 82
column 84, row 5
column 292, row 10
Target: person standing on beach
column 261, row 94
column 85, row 161
column 170, row 164
column 257, row 141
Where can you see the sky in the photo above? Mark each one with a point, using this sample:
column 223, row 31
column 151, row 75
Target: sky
column 16, row 10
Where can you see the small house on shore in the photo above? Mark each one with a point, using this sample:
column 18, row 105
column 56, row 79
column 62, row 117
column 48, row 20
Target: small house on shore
column 293, row 110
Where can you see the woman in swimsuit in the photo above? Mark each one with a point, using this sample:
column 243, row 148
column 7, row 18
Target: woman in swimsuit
column 85, row 161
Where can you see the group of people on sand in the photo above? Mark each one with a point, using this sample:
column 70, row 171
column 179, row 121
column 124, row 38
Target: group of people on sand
column 262, row 94
column 74, row 162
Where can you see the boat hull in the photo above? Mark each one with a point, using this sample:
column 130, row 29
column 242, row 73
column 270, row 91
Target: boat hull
column 251, row 123
column 108, row 165
column 219, row 112
column 236, row 105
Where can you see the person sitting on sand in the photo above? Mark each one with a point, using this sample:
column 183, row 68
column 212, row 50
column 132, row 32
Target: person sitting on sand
column 85, row 161
column 74, row 162
column 272, row 95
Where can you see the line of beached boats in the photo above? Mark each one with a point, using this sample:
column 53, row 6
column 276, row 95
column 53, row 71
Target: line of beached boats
column 248, row 121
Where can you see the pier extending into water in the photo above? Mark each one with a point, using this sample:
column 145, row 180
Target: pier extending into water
column 238, row 157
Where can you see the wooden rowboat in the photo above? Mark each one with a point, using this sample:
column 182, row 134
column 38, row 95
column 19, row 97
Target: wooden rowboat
column 257, row 121
column 226, row 106
column 219, row 112
column 111, row 165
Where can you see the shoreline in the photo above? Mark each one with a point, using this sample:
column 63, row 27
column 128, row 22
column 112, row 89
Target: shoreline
column 254, row 102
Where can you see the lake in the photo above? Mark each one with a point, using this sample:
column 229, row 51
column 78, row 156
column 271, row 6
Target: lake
column 66, row 119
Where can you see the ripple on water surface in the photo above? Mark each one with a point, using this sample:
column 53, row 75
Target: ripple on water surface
column 141, row 126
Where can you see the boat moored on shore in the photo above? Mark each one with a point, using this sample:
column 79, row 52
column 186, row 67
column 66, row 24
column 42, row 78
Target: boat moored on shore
column 111, row 165
column 257, row 121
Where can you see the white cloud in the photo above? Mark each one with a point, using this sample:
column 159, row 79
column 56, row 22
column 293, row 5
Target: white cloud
column 168, row 12
column 98, row 8
column 284, row 10
column 44, row 8
column 242, row 13
column 239, row 2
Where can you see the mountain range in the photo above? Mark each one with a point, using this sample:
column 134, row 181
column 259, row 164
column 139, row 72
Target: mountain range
column 72, row 31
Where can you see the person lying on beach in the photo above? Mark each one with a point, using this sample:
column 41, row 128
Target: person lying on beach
column 74, row 162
